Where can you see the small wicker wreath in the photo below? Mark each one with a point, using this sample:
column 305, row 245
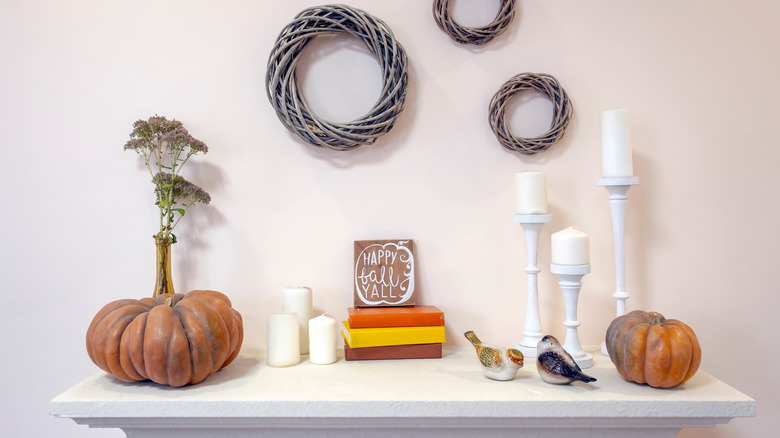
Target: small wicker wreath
column 473, row 35
column 288, row 101
column 543, row 83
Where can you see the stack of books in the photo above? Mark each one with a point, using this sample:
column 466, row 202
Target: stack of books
column 415, row 332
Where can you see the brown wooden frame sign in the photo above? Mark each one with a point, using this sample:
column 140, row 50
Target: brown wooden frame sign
column 384, row 273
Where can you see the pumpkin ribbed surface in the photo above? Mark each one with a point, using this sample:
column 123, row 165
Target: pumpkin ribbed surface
column 171, row 339
column 648, row 348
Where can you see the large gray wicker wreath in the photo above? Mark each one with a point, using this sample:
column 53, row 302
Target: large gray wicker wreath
column 290, row 104
column 542, row 83
column 473, row 35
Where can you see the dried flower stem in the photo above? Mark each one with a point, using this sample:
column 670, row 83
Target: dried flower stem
column 165, row 146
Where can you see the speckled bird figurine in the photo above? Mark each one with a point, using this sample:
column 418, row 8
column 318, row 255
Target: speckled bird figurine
column 555, row 365
column 497, row 363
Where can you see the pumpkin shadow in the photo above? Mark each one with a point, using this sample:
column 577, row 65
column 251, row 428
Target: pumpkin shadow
column 238, row 369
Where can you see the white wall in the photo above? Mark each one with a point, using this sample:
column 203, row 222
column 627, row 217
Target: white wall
column 698, row 77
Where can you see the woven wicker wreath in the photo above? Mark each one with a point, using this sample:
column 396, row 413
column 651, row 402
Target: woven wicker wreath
column 473, row 35
column 290, row 104
column 543, row 83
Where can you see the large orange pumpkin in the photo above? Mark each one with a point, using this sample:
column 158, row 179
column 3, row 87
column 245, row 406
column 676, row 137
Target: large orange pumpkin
column 173, row 339
column 648, row 348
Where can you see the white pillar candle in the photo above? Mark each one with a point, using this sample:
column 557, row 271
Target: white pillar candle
column 570, row 247
column 531, row 192
column 298, row 300
column 322, row 340
column 283, row 341
column 616, row 160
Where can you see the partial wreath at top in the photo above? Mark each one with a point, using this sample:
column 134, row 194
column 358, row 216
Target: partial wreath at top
column 473, row 35
column 290, row 104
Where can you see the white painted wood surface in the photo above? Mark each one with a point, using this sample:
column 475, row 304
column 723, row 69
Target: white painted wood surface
column 431, row 397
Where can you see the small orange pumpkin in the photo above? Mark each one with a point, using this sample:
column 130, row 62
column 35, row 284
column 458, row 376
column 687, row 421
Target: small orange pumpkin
column 648, row 348
column 173, row 339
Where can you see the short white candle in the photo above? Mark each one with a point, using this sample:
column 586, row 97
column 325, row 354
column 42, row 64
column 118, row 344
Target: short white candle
column 298, row 300
column 531, row 192
column 283, row 340
column 322, row 340
column 616, row 159
column 570, row 247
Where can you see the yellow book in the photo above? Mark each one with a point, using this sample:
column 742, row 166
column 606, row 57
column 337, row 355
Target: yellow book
column 384, row 336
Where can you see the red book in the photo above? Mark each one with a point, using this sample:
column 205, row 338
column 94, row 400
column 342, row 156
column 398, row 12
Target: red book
column 416, row 351
column 414, row 316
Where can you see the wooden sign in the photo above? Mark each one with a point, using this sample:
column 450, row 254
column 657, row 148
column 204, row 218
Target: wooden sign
column 384, row 273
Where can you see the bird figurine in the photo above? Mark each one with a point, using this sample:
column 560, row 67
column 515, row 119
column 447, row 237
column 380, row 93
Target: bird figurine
column 498, row 363
column 555, row 365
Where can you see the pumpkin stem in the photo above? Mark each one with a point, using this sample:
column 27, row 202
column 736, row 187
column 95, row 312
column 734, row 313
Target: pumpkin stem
column 169, row 301
column 656, row 319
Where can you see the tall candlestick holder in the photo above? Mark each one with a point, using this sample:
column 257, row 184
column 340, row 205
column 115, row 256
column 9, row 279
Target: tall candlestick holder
column 570, row 281
column 532, row 330
column 618, row 190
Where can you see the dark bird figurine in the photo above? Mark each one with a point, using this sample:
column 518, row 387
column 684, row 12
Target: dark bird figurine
column 497, row 363
column 555, row 365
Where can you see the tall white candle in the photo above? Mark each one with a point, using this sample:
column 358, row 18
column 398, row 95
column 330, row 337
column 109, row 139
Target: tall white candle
column 531, row 192
column 570, row 247
column 616, row 159
column 283, row 341
column 298, row 300
column 322, row 340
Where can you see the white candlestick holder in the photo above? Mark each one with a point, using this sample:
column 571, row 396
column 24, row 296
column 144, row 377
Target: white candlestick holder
column 618, row 197
column 532, row 330
column 570, row 281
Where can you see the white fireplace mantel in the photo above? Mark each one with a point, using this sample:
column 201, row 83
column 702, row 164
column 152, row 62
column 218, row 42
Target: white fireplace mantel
column 446, row 397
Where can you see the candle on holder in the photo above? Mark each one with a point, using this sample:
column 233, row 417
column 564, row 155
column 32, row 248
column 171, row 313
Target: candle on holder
column 298, row 300
column 531, row 193
column 616, row 157
column 322, row 340
column 283, row 341
column 570, row 247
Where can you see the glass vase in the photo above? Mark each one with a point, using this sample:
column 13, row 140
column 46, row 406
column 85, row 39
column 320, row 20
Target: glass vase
column 162, row 282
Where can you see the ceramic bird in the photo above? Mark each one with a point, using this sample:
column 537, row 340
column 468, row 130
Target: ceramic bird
column 555, row 365
column 497, row 363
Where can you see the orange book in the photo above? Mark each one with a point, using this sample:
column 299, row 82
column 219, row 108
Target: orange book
column 414, row 316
